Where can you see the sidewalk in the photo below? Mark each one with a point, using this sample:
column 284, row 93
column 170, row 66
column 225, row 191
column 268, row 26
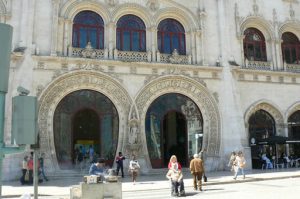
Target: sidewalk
column 60, row 187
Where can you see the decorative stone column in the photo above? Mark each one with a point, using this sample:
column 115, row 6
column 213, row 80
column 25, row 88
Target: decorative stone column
column 201, row 34
column 279, row 56
column 154, row 44
column 55, row 7
column 67, row 36
column 111, row 26
column 243, row 59
column 199, row 47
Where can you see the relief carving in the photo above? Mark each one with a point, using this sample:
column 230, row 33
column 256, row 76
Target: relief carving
column 196, row 92
column 77, row 80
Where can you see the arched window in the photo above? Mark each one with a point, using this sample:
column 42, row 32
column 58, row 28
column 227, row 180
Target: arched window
column 254, row 45
column 131, row 34
column 290, row 48
column 170, row 36
column 261, row 125
column 88, row 27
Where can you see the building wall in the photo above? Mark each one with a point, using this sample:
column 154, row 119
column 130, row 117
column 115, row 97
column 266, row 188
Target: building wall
column 43, row 61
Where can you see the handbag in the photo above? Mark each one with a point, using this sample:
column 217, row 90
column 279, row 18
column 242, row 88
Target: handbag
column 205, row 178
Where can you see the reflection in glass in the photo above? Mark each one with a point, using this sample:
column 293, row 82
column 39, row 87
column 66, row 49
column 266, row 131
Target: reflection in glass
column 172, row 121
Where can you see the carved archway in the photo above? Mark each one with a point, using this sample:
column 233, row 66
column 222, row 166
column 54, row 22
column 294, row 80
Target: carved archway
column 291, row 110
column 196, row 92
column 68, row 83
column 272, row 110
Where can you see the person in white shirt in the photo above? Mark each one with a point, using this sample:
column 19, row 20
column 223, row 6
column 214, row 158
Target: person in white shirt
column 134, row 168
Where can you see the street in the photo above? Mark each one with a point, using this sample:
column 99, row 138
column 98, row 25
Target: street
column 269, row 189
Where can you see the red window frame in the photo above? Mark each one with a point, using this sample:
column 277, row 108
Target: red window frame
column 82, row 21
column 164, row 29
column 259, row 45
column 290, row 43
column 122, row 27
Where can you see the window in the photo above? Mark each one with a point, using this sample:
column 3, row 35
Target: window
column 131, row 34
column 254, row 45
column 290, row 48
column 261, row 125
column 170, row 36
column 88, row 27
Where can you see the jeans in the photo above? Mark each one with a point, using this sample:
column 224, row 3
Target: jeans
column 239, row 170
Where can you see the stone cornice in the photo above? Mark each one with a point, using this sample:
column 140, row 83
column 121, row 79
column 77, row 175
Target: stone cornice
column 72, row 60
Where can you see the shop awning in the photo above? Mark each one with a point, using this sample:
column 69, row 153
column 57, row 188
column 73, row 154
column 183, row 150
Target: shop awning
column 273, row 140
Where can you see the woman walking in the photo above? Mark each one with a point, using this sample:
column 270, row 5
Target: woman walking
column 134, row 168
column 239, row 164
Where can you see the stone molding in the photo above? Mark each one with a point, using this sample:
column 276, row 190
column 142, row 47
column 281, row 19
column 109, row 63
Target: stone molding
column 196, row 92
column 271, row 109
column 70, row 82
column 291, row 110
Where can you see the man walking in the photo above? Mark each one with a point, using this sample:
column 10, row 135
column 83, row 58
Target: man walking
column 119, row 161
column 197, row 170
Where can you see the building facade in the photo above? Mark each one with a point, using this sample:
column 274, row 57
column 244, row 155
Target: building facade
column 157, row 77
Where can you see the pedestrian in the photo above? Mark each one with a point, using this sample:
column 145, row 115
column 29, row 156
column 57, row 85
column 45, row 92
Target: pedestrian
column 42, row 168
column 176, row 166
column 80, row 157
column 134, row 168
column 173, row 159
column 25, row 173
column 231, row 160
column 91, row 154
column 197, row 170
column 119, row 160
column 239, row 165
column 98, row 168
column 176, row 178
column 30, row 168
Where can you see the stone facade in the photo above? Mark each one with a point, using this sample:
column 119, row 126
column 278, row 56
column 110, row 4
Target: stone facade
column 226, row 87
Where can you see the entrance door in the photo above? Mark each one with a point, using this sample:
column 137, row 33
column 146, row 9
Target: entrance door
column 86, row 131
column 174, row 140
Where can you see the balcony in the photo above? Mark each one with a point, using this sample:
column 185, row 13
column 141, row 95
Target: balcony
column 129, row 56
column 258, row 65
column 294, row 68
column 88, row 52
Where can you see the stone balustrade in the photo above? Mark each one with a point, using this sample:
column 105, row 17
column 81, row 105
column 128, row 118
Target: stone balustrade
column 132, row 56
column 258, row 65
column 292, row 67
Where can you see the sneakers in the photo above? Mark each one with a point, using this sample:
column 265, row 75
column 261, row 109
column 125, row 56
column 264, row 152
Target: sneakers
column 244, row 177
column 195, row 189
column 234, row 178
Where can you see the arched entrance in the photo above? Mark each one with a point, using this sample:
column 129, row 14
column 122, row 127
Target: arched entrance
column 294, row 134
column 261, row 127
column 86, row 130
column 85, row 119
column 175, row 137
column 172, row 121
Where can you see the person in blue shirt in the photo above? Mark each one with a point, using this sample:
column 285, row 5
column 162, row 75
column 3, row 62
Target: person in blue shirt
column 98, row 168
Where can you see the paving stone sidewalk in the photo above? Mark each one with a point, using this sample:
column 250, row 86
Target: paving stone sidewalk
column 60, row 187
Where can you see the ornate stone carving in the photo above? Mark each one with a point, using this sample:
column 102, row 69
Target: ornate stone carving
column 196, row 92
column 88, row 51
column 255, row 7
column 175, row 58
column 41, row 65
column 39, row 90
column 153, row 5
column 112, row 3
column 70, row 82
